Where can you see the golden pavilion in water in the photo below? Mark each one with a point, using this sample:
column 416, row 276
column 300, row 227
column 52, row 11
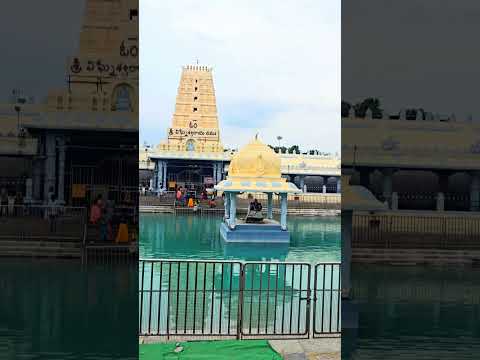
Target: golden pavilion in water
column 256, row 168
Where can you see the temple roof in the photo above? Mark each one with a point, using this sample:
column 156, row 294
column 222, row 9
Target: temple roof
column 359, row 198
column 256, row 168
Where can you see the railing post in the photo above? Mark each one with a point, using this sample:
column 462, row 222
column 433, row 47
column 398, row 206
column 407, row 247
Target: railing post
column 240, row 302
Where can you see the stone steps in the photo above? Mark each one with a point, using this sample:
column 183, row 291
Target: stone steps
column 155, row 209
column 220, row 211
column 40, row 249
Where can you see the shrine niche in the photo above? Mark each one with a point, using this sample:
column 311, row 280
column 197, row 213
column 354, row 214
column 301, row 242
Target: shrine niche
column 122, row 98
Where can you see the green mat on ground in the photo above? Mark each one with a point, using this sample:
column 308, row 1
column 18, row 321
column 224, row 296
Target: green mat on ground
column 214, row 350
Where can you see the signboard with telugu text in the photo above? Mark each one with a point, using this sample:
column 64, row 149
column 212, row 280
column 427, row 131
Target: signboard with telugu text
column 209, row 134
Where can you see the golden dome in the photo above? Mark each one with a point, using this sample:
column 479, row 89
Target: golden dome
column 255, row 160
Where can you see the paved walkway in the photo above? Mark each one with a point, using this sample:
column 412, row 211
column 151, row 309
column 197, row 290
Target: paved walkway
column 311, row 349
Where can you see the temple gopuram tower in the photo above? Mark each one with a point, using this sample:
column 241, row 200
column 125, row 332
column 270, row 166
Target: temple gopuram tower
column 192, row 156
column 195, row 121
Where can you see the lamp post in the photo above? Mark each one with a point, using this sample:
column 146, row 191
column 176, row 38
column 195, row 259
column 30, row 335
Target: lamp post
column 279, row 138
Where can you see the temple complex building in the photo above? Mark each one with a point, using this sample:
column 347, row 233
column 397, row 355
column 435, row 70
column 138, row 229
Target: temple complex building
column 57, row 141
column 423, row 164
column 193, row 155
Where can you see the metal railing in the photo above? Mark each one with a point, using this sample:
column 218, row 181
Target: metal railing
column 42, row 222
column 110, row 254
column 454, row 232
column 232, row 299
column 317, row 201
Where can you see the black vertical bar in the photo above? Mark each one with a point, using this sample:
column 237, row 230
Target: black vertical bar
column 323, row 294
column 331, row 298
column 204, row 294
column 299, row 299
column 213, row 298
column 284, row 293
column 268, row 298
column 159, row 298
column 230, row 297
column 308, row 303
column 251, row 303
column 221, row 301
column 168, row 296
column 195, row 297
column 240, row 302
column 151, row 294
column 291, row 297
column 141, row 297
column 186, row 299
column 259, row 298
column 339, row 296
column 178, row 297
column 275, row 307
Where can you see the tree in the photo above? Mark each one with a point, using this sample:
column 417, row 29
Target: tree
column 346, row 106
column 370, row 103
column 294, row 149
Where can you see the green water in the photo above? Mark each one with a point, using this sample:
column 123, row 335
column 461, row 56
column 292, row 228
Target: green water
column 168, row 236
column 171, row 306
column 58, row 310
column 415, row 313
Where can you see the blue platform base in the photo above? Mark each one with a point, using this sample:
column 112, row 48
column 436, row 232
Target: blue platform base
column 255, row 233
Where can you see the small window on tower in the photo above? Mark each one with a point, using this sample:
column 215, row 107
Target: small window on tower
column 196, row 88
column 195, row 98
column 196, row 81
column 195, row 109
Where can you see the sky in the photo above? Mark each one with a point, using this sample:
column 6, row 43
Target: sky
column 36, row 44
column 412, row 53
column 276, row 67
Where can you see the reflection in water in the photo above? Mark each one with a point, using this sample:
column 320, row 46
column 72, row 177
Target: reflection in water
column 169, row 236
column 415, row 313
column 59, row 310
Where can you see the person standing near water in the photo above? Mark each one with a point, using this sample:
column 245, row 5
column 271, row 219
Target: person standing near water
column 179, row 195
column 96, row 213
column 52, row 213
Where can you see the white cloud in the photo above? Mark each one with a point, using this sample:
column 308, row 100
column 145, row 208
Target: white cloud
column 282, row 54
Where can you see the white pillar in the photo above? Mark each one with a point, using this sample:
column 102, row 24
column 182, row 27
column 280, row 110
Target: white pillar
column 233, row 210
column 283, row 213
column 346, row 251
column 440, row 202
column 158, row 175
column 387, row 185
column 226, row 205
column 50, row 163
column 302, row 182
column 339, row 185
column 61, row 170
column 270, row 205
column 475, row 191
column 394, row 201
column 164, row 184
column 215, row 173
column 219, row 169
